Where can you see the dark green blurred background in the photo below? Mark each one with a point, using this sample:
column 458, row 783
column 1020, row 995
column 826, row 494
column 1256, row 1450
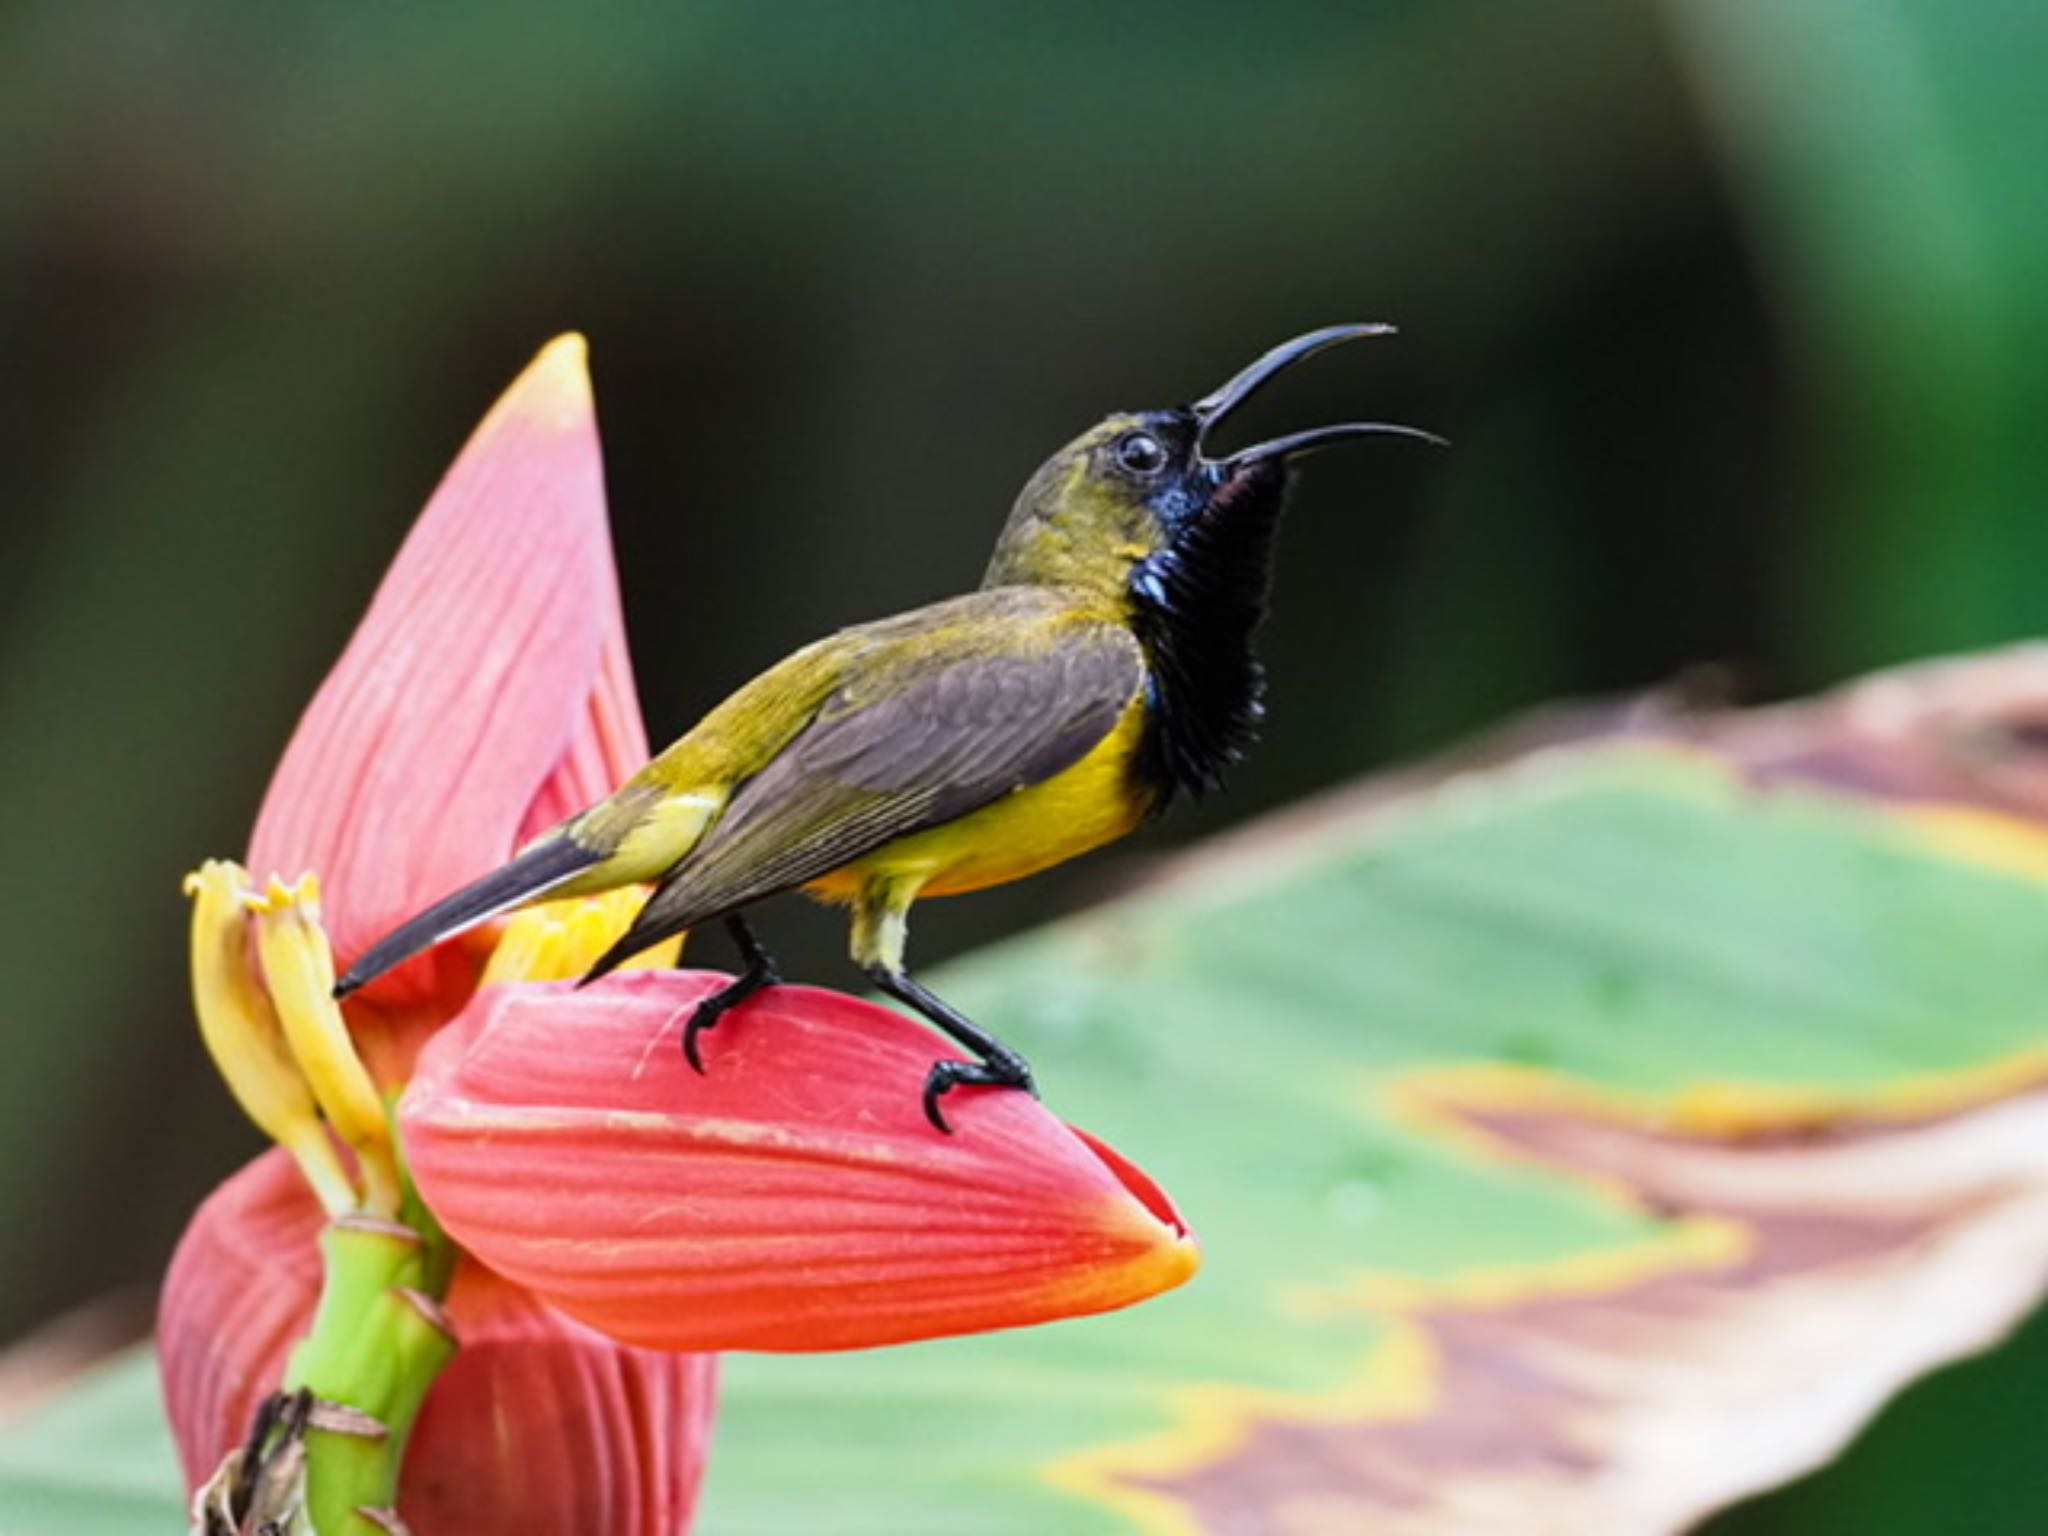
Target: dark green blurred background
column 1733, row 310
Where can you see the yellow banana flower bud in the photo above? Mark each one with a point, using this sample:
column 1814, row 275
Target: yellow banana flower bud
column 298, row 969
column 245, row 1037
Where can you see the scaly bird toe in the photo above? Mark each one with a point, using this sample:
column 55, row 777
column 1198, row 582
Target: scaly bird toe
column 1001, row 1072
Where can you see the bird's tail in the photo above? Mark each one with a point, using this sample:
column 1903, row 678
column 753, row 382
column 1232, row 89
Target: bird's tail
column 533, row 873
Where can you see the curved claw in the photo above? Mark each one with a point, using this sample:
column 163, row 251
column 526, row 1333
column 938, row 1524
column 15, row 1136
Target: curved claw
column 719, row 1004
column 761, row 972
column 945, row 1076
column 705, row 1016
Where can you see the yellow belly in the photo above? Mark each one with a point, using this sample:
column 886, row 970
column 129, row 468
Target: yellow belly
column 1094, row 802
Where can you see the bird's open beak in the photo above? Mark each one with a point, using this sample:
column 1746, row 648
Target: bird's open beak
column 1211, row 410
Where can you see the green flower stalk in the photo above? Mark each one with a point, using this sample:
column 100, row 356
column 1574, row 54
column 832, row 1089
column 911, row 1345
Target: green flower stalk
column 327, row 1454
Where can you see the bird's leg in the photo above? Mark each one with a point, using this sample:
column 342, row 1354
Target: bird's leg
column 999, row 1067
column 880, row 927
column 761, row 972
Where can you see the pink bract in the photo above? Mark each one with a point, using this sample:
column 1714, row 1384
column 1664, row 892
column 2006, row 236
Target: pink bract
column 487, row 693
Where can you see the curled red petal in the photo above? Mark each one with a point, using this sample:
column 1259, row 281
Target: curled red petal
column 486, row 693
column 238, row 1296
column 792, row 1199
column 540, row 1425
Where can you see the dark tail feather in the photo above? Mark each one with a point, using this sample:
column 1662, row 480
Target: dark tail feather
column 611, row 960
column 629, row 944
column 539, row 869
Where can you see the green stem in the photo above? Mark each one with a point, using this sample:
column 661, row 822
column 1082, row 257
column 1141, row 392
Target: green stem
column 377, row 1343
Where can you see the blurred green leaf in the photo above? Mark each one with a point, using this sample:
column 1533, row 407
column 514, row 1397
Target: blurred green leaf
column 97, row 1462
column 1884, row 156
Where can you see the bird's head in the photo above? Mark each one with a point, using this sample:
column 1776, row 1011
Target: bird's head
column 1138, row 504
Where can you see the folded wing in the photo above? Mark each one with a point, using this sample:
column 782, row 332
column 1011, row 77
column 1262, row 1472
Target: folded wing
column 927, row 728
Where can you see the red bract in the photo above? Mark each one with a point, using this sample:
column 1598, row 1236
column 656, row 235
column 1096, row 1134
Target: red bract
column 792, row 1199
column 540, row 1426
column 486, row 694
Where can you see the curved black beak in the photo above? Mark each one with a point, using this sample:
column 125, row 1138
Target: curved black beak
column 1211, row 410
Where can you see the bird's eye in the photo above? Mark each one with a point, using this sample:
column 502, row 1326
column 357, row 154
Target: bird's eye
column 1141, row 453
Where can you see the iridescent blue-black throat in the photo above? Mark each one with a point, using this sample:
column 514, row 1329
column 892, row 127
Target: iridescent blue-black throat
column 1196, row 606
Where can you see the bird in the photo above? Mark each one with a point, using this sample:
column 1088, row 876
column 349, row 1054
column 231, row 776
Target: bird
column 1104, row 668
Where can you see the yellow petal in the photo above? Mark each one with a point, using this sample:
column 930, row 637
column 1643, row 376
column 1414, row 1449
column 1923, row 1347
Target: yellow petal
column 561, row 940
column 244, row 1036
column 298, row 968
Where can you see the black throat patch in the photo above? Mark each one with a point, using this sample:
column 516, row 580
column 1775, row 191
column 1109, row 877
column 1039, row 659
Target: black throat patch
column 1197, row 604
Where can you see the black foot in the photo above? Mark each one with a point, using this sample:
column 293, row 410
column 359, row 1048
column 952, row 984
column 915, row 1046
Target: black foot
column 999, row 1067
column 1006, row 1071
column 761, row 972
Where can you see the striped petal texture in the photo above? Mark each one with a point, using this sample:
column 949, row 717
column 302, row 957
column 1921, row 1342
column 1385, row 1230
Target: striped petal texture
column 487, row 692
column 792, row 1198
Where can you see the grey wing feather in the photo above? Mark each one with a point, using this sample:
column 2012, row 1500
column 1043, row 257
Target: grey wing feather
column 882, row 763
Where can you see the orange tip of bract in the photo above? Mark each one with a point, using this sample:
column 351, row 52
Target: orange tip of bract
column 554, row 391
column 792, row 1198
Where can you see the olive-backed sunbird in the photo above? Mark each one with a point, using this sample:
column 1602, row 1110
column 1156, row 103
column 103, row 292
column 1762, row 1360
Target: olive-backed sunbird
column 1104, row 666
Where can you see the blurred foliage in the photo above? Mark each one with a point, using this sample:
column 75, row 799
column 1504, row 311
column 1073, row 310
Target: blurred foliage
column 1730, row 309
